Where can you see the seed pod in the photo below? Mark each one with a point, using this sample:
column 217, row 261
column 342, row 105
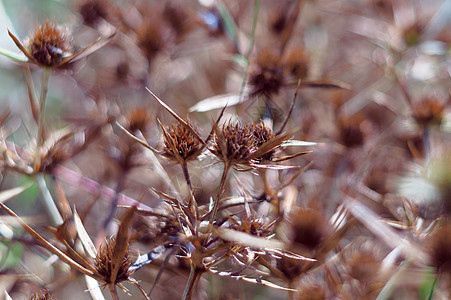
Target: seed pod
column 49, row 44
column 180, row 142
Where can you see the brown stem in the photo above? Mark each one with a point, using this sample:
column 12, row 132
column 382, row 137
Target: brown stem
column 113, row 291
column 219, row 194
column 193, row 279
column 186, row 174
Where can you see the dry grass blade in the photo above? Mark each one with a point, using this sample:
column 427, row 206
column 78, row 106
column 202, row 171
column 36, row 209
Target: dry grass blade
column 94, row 288
column 84, row 236
column 216, row 102
column 91, row 48
column 291, row 156
column 269, row 145
column 248, row 240
column 121, row 243
column 174, row 114
column 21, row 47
column 251, row 280
column 11, row 193
column 144, row 143
column 47, row 245
column 325, row 84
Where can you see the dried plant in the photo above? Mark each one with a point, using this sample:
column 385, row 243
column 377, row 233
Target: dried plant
column 153, row 195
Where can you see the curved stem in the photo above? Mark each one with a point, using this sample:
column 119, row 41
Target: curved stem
column 42, row 99
column 186, row 174
column 48, row 200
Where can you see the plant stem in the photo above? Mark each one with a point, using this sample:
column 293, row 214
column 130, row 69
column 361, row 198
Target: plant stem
column 186, row 174
column 39, row 140
column 218, row 195
column 48, row 200
column 193, row 278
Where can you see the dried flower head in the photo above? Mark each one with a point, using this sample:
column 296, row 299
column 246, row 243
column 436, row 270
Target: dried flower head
column 41, row 295
column 262, row 134
column 350, row 132
column 296, row 62
column 266, row 77
column 104, row 263
column 429, row 110
column 49, row 44
column 93, row 11
column 178, row 138
column 255, row 226
column 138, row 119
column 309, row 228
column 363, row 265
column 234, row 143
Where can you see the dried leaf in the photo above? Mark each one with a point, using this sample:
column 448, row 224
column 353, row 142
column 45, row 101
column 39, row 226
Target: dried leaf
column 84, row 236
column 11, row 193
column 121, row 244
column 248, row 240
column 217, row 102
column 21, row 47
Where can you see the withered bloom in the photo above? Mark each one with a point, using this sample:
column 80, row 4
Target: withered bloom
column 429, row 110
column 440, row 248
column 234, row 143
column 309, row 228
column 138, row 119
column 267, row 77
column 49, row 44
column 180, row 142
column 263, row 134
column 104, row 263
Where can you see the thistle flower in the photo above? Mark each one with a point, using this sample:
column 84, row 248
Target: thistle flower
column 429, row 110
column 50, row 46
column 104, row 263
column 262, row 134
column 234, row 143
column 180, row 142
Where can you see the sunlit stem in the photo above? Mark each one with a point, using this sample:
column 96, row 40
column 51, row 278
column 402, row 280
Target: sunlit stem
column 52, row 210
column 39, row 141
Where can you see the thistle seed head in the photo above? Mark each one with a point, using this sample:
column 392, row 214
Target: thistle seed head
column 267, row 76
column 262, row 134
column 235, row 143
column 49, row 44
column 185, row 143
column 104, row 263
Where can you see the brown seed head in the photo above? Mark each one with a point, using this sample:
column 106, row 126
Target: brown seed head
column 350, row 133
column 93, row 11
column 429, row 110
column 104, row 263
column 363, row 265
column 138, row 119
column 309, row 228
column 267, row 76
column 49, row 44
column 235, row 143
column 262, row 134
column 187, row 145
column 296, row 62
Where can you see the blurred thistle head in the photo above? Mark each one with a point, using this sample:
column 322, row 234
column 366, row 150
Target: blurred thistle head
column 429, row 110
column 266, row 77
column 234, row 143
column 179, row 141
column 93, row 11
column 350, row 133
column 41, row 295
column 308, row 227
column 138, row 120
column 104, row 263
column 49, row 44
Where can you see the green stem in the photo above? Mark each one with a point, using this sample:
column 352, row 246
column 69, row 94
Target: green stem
column 39, row 141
